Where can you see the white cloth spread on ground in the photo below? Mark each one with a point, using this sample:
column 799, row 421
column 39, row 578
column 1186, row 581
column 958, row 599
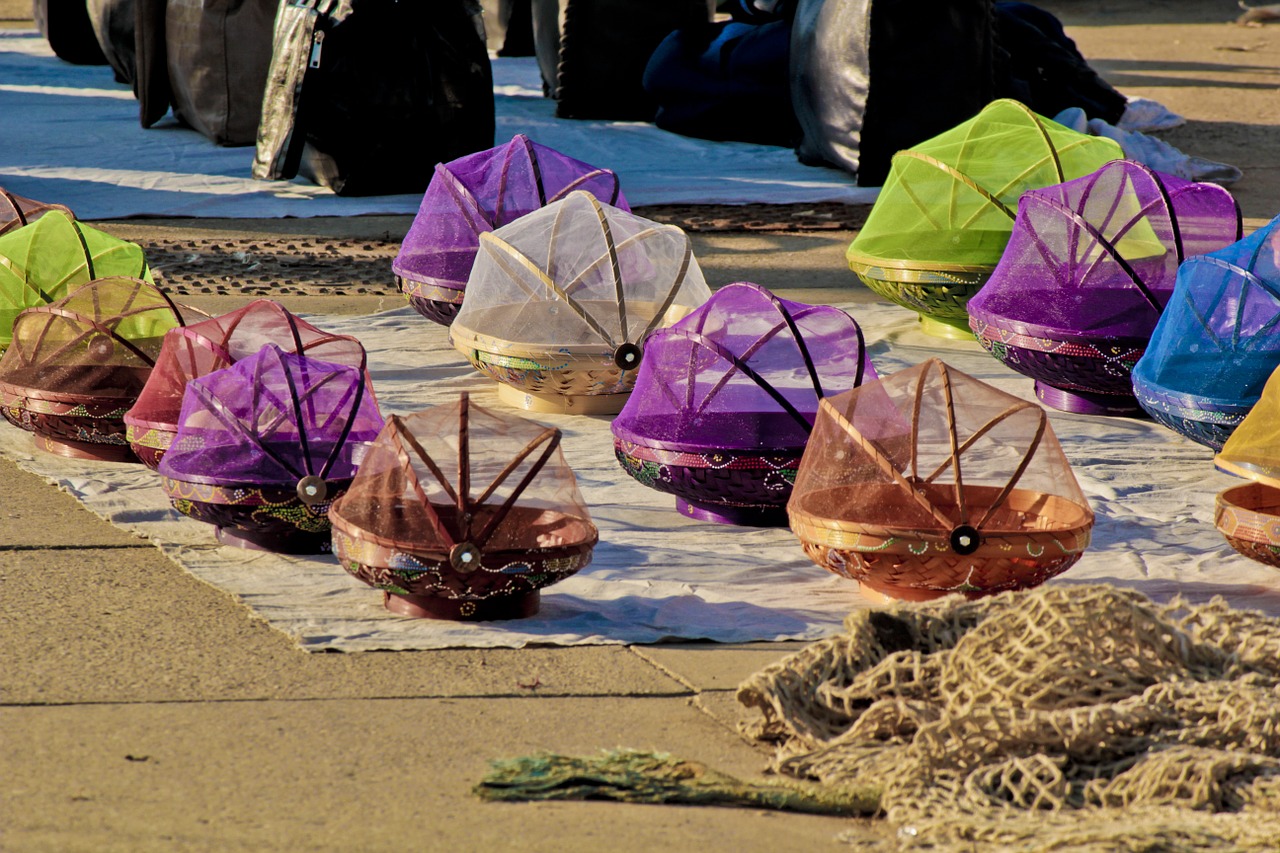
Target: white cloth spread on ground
column 657, row 575
column 70, row 135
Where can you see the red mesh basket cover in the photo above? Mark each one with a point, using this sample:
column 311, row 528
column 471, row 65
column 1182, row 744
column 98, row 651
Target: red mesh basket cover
column 17, row 211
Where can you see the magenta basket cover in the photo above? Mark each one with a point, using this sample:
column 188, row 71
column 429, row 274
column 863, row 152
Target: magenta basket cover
column 265, row 445
column 725, row 399
column 1088, row 270
column 478, row 193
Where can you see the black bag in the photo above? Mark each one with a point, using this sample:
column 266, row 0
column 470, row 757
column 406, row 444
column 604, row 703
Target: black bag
column 366, row 96
column 869, row 79
column 113, row 24
column 66, row 25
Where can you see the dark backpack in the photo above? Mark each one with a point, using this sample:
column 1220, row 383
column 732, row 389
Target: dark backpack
column 366, row 96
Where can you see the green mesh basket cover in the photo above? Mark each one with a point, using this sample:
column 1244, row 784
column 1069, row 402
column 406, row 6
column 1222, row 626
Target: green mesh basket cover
column 949, row 202
column 46, row 260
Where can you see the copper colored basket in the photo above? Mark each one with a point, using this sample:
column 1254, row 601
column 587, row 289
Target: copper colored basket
column 484, row 554
column 17, row 211
column 257, row 517
column 1031, row 538
column 1249, row 517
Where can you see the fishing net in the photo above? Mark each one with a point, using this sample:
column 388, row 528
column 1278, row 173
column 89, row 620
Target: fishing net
column 1062, row 718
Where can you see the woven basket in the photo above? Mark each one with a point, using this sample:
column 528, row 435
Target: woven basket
column 147, row 442
column 1088, row 377
column 1249, row 517
column 939, row 296
column 503, row 585
column 1032, row 538
column 437, row 304
column 254, row 517
column 77, row 426
column 733, row 487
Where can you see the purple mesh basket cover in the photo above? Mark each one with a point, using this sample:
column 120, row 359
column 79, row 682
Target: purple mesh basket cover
column 1219, row 337
column 744, row 371
column 1096, row 257
column 482, row 192
column 270, row 420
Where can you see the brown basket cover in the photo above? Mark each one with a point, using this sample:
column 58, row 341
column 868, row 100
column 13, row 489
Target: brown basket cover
column 75, row 366
column 460, row 513
column 16, row 210
column 929, row 481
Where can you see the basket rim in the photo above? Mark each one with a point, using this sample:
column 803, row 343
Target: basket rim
column 620, row 442
column 834, row 532
column 8, row 389
column 1044, row 337
column 1249, row 520
column 1187, row 403
column 861, row 264
column 348, row 528
column 266, row 488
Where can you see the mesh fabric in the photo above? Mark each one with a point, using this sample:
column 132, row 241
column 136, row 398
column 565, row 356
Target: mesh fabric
column 17, row 211
column 219, row 342
column 1217, row 343
column 440, row 477
column 1253, row 450
column 270, row 420
column 950, row 201
column 577, row 278
column 46, row 260
column 1097, row 257
column 484, row 191
column 744, row 371
column 928, row 449
column 100, row 341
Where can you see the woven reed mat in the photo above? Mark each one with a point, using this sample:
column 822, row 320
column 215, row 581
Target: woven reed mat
column 1064, row 718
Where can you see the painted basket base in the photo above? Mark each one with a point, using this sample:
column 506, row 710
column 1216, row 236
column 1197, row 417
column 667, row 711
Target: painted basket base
column 85, row 449
column 516, row 606
column 743, row 516
column 266, row 540
column 1086, row 403
column 562, row 404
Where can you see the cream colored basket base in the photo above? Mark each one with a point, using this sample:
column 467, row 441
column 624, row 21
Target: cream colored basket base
column 562, row 404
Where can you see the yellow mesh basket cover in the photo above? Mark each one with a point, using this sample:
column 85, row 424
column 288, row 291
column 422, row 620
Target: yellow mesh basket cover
column 1253, row 450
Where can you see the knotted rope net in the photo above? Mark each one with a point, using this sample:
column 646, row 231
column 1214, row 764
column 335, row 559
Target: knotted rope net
column 1064, row 718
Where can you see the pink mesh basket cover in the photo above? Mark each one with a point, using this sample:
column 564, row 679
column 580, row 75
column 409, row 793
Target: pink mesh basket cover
column 482, row 192
column 271, row 420
column 219, row 342
column 1097, row 257
column 99, row 342
column 745, row 371
column 461, row 476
